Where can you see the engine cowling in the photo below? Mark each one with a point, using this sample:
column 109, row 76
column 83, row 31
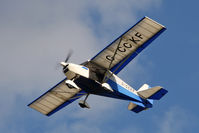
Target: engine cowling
column 74, row 69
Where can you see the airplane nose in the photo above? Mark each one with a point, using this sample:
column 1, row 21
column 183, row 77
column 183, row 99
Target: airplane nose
column 63, row 64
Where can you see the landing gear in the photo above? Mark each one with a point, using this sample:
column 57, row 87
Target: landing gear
column 83, row 103
column 69, row 86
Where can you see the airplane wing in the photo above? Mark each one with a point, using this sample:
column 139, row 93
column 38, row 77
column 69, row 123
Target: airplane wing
column 56, row 98
column 126, row 47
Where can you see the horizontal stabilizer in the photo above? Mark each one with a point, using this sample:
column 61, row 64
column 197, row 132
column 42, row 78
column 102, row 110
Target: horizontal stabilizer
column 159, row 94
column 135, row 108
column 154, row 93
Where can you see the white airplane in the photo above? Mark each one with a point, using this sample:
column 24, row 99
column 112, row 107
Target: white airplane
column 98, row 75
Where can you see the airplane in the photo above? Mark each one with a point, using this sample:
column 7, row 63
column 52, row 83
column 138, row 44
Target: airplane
column 98, row 76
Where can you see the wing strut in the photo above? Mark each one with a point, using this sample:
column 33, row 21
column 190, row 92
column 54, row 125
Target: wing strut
column 114, row 54
column 113, row 57
column 108, row 77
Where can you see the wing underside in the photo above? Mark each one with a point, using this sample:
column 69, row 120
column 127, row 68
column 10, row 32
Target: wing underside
column 126, row 47
column 56, row 98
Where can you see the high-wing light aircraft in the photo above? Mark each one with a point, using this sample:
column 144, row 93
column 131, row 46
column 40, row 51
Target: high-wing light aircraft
column 98, row 75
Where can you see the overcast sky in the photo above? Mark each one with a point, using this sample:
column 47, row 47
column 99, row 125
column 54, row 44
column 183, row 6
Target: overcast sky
column 35, row 35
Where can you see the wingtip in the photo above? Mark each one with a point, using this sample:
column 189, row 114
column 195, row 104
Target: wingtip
column 155, row 22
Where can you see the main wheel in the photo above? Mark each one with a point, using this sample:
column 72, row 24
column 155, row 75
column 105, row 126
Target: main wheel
column 83, row 104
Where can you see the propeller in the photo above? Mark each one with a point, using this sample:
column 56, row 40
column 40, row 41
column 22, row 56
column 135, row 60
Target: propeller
column 65, row 64
column 68, row 56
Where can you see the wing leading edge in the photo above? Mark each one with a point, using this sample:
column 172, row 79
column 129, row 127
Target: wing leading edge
column 56, row 98
column 126, row 47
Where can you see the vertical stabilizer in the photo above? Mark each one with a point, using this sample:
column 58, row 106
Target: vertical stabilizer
column 144, row 87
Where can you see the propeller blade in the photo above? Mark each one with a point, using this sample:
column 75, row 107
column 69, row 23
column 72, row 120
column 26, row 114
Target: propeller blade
column 69, row 55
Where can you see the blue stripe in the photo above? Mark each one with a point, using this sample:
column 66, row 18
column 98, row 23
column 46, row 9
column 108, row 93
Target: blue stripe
column 158, row 95
column 117, row 38
column 134, row 54
column 138, row 109
column 85, row 67
column 66, row 103
column 124, row 91
column 144, row 103
column 150, row 101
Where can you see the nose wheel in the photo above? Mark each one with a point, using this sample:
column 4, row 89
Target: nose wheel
column 83, row 103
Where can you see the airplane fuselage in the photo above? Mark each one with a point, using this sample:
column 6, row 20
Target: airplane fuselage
column 117, row 88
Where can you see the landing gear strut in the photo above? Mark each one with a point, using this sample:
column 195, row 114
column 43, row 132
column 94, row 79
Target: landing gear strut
column 83, row 103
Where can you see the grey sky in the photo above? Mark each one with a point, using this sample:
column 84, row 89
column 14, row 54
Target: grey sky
column 35, row 35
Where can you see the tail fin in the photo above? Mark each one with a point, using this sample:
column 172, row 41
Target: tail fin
column 155, row 93
column 149, row 94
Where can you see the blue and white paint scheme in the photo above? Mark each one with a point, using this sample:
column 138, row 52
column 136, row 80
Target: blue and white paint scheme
column 98, row 75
